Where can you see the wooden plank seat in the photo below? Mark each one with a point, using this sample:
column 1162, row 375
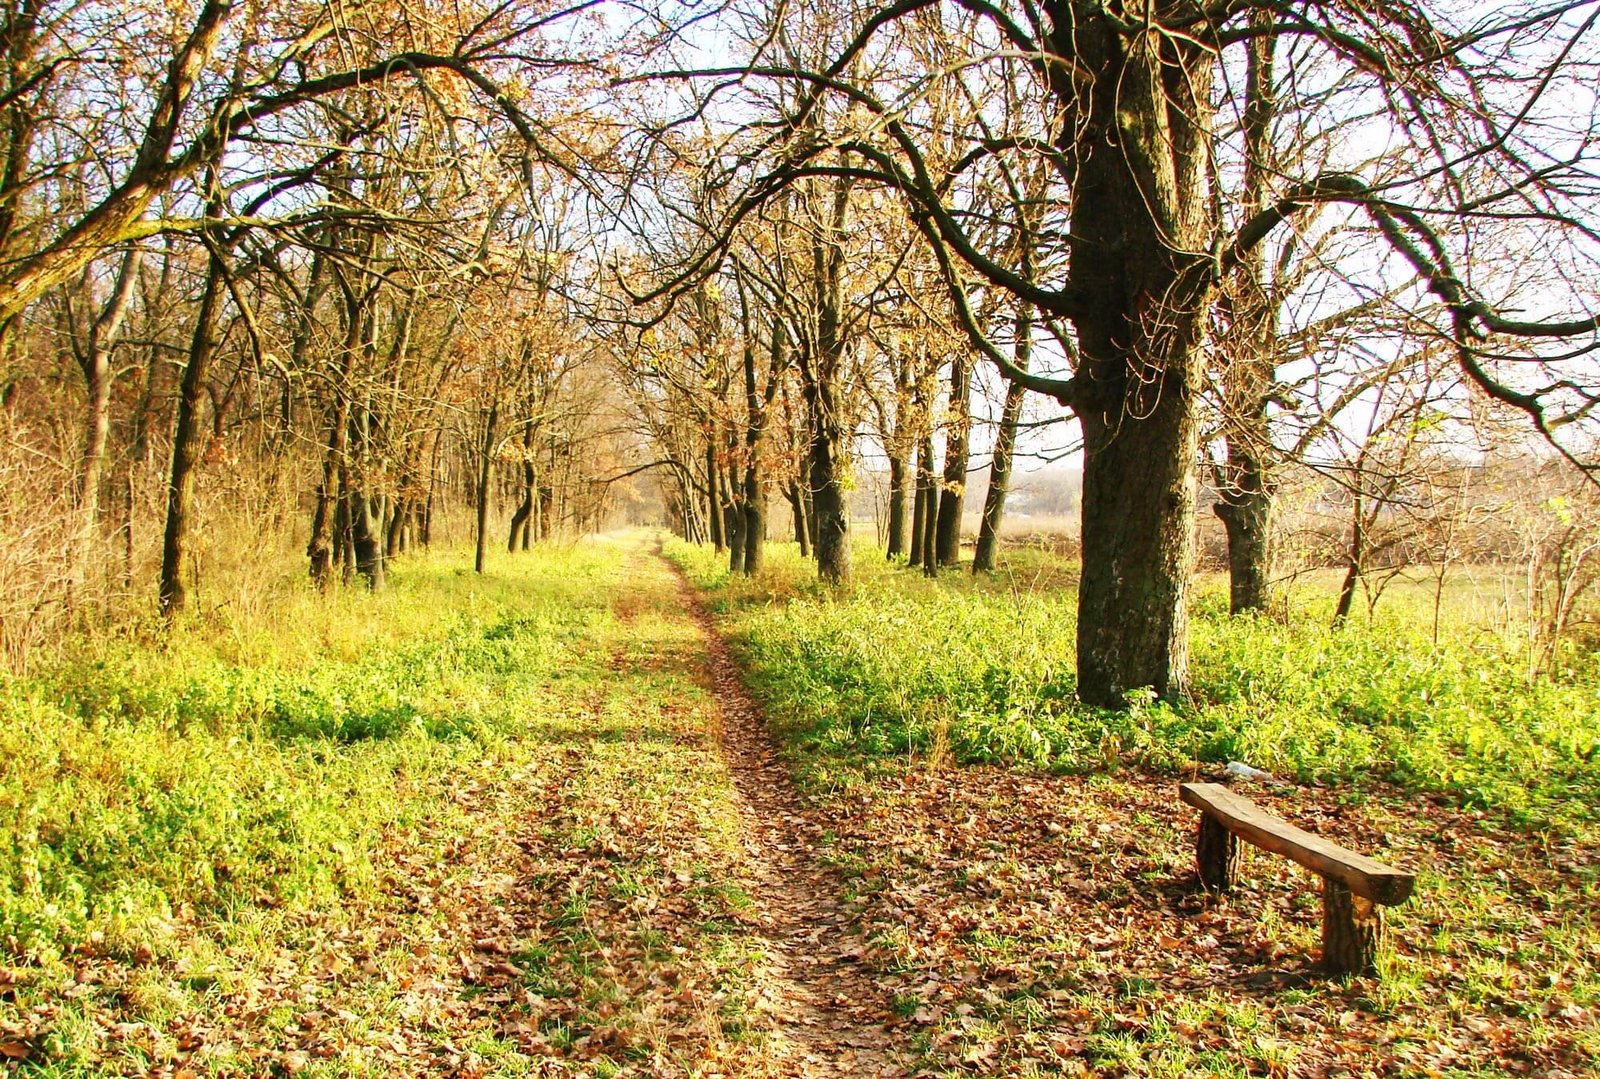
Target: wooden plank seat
column 1355, row 888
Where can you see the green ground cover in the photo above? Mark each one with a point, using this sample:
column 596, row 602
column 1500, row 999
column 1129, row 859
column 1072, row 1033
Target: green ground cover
column 326, row 839
column 899, row 664
column 937, row 719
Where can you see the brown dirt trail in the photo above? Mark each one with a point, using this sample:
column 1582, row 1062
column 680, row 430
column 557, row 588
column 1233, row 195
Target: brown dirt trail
column 829, row 1014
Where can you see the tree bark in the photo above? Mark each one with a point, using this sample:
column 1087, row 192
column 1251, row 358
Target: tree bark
column 897, row 507
column 329, row 516
column 1245, row 509
column 733, row 520
column 1247, row 486
column 994, row 499
column 186, row 435
column 928, row 488
column 830, row 523
column 953, row 492
column 485, row 471
column 1140, row 156
column 96, row 363
column 713, row 499
column 802, row 527
column 919, row 514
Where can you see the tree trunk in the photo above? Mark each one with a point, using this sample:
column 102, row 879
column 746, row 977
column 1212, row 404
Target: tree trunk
column 1250, row 350
column 1355, row 561
column 97, row 383
column 757, row 408
column 1138, row 550
column 830, row 523
column 953, row 492
column 485, row 471
column 520, row 519
column 1245, row 508
column 802, row 528
column 713, row 487
column 546, row 511
column 326, row 534
column 994, row 499
column 186, row 435
column 366, row 530
column 1140, row 155
column 928, row 488
column 754, row 522
column 394, row 540
column 733, row 523
column 919, row 513
column 897, row 507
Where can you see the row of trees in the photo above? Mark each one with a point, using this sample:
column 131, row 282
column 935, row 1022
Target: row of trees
column 1264, row 213
column 388, row 258
column 314, row 257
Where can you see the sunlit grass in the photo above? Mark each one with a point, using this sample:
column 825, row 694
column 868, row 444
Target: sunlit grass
column 894, row 663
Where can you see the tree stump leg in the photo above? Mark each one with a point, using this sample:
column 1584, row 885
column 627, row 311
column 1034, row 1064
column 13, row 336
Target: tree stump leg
column 1352, row 930
column 1216, row 855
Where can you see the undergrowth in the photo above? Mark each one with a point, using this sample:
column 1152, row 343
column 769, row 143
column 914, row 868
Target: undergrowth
column 983, row 669
column 260, row 764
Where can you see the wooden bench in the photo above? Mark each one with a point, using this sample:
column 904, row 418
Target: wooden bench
column 1355, row 889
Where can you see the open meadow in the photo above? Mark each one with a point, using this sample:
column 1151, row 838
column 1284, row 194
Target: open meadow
column 523, row 824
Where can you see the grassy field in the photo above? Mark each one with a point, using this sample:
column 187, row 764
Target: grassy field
column 470, row 826
column 486, row 826
column 983, row 669
column 1066, row 858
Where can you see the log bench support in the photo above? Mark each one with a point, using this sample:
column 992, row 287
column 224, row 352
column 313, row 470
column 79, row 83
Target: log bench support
column 1355, row 889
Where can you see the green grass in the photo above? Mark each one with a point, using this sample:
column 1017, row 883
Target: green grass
column 261, row 763
column 325, row 806
column 896, row 664
column 300, row 835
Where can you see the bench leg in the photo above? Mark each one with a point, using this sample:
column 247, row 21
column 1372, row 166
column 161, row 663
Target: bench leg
column 1352, row 930
column 1216, row 855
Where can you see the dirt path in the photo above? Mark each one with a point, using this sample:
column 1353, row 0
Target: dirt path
column 828, row 1012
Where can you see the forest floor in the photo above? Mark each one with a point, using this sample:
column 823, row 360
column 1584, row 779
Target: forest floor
column 534, row 823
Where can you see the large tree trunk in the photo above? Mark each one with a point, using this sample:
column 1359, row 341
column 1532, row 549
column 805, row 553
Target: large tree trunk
column 754, row 521
column 953, row 492
column 830, row 522
column 1138, row 550
column 1245, row 507
column 1247, row 485
column 1140, row 305
column 829, row 438
column 186, row 436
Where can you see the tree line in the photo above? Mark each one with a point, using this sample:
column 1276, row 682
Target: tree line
column 384, row 261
